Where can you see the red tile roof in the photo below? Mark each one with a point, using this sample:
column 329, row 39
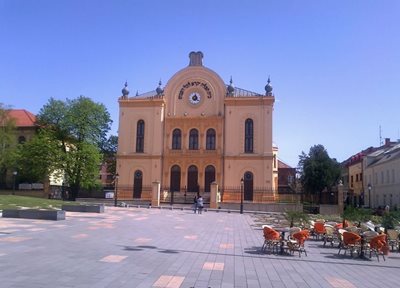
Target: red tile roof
column 282, row 164
column 23, row 118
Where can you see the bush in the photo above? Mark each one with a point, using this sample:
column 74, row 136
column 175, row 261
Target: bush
column 296, row 217
column 357, row 214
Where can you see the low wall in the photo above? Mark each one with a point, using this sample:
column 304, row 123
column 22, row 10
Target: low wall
column 30, row 193
column 34, row 214
column 328, row 209
column 84, row 208
column 264, row 207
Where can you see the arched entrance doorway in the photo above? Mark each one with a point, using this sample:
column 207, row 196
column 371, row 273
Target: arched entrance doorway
column 175, row 180
column 248, row 186
column 137, row 184
column 192, row 180
column 209, row 177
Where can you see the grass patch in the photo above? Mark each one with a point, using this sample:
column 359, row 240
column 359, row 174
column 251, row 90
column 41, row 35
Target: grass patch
column 18, row 202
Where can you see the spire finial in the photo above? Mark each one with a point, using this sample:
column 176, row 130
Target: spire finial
column 159, row 90
column 268, row 87
column 125, row 91
column 230, row 89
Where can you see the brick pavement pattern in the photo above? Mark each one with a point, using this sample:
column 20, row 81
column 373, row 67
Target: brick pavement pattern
column 139, row 247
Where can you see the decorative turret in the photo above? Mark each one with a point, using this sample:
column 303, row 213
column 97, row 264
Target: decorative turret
column 196, row 58
column 268, row 88
column 159, row 90
column 125, row 91
column 230, row 89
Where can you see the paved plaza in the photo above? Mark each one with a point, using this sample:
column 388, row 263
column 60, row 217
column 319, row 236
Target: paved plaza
column 140, row 247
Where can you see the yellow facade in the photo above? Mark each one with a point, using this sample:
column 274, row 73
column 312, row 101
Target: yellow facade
column 194, row 131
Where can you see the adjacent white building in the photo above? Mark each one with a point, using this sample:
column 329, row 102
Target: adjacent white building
column 382, row 177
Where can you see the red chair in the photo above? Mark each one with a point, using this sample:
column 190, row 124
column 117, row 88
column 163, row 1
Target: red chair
column 377, row 245
column 272, row 239
column 298, row 243
column 319, row 229
column 350, row 241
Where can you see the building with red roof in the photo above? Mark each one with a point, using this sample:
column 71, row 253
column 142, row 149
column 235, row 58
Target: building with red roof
column 25, row 124
column 25, row 128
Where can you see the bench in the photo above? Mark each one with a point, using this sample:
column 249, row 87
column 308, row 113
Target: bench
column 83, row 208
column 34, row 214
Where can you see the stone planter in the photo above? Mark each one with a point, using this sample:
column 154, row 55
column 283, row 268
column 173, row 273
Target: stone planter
column 34, row 214
column 83, row 208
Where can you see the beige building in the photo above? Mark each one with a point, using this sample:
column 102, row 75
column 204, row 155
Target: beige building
column 194, row 131
column 382, row 181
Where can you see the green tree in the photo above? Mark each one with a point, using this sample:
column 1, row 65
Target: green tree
column 40, row 157
column 82, row 164
column 7, row 141
column 318, row 171
column 109, row 151
column 79, row 127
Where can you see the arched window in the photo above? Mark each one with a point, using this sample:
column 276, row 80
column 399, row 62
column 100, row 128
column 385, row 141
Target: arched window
column 248, row 136
column 193, row 139
column 140, row 136
column 176, row 139
column 210, row 139
column 21, row 139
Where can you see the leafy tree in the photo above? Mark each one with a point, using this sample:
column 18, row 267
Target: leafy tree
column 318, row 171
column 40, row 157
column 82, row 166
column 109, row 150
column 7, row 141
column 79, row 127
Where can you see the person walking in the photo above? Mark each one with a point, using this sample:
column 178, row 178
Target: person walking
column 200, row 204
column 195, row 204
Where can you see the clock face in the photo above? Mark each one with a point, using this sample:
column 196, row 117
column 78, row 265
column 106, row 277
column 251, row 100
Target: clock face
column 194, row 98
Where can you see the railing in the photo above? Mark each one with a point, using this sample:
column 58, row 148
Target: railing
column 228, row 195
column 259, row 195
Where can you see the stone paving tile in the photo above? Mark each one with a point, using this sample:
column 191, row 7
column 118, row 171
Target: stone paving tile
column 208, row 250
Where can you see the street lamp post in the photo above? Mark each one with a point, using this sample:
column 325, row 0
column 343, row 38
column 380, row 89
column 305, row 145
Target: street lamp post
column 241, row 195
column 15, row 173
column 116, row 190
column 369, row 195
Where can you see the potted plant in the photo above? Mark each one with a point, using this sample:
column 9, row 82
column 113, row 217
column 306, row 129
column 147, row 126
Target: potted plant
column 296, row 217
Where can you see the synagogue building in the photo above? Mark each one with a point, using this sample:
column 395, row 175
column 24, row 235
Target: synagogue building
column 194, row 131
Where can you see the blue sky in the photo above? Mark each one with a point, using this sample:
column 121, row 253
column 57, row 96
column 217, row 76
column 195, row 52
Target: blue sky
column 334, row 65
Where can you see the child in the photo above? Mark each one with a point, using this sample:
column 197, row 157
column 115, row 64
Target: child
column 200, row 204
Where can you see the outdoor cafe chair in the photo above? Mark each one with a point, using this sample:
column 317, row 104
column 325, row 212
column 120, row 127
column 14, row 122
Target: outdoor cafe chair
column 319, row 229
column 331, row 235
column 393, row 239
column 297, row 242
column 353, row 229
column 377, row 246
column 350, row 241
column 292, row 231
column 366, row 237
column 272, row 239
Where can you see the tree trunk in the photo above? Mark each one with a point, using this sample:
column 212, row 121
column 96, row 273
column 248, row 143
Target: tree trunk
column 73, row 192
